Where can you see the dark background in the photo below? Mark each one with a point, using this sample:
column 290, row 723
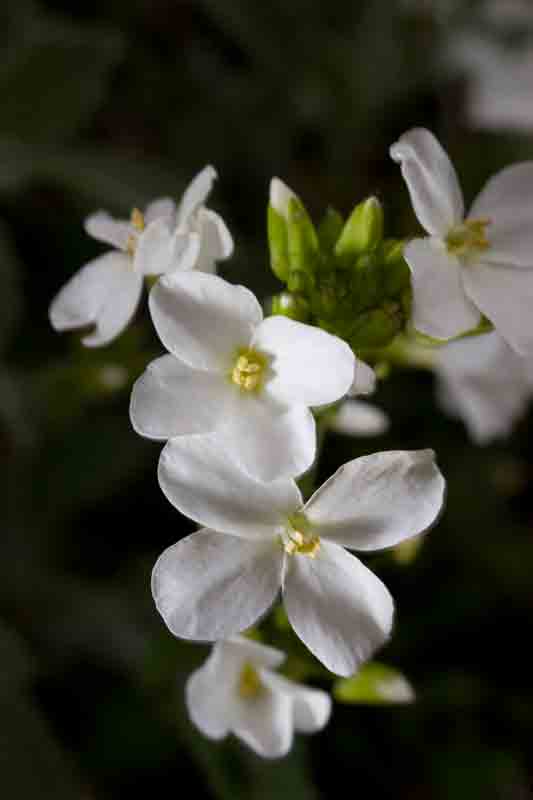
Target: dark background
column 109, row 104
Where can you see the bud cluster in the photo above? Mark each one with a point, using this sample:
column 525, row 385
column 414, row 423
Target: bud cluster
column 343, row 276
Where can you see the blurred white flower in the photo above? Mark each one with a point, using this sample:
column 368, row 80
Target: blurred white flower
column 499, row 93
column 484, row 383
column 250, row 379
column 237, row 691
column 358, row 418
column 465, row 267
column 105, row 292
column 261, row 537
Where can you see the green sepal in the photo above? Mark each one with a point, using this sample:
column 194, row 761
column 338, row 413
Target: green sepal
column 363, row 231
column 374, row 684
column 303, row 249
column 278, row 244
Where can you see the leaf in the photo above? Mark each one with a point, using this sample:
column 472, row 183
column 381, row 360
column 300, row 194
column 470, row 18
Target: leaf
column 53, row 78
column 11, row 296
column 374, row 684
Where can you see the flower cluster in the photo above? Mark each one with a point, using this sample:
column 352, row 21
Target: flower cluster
column 238, row 397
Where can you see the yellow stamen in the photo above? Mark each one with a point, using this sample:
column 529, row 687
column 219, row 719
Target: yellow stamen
column 248, row 372
column 299, row 538
column 136, row 221
column 468, row 238
column 249, row 685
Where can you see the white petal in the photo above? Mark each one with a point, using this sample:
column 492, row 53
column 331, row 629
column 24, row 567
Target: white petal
column 379, row 500
column 105, row 228
column 216, row 243
column 197, row 476
column 196, row 193
column 311, row 708
column 506, row 201
column 163, row 208
column 185, row 252
column 104, row 293
column 280, row 197
column 172, row 399
column 208, row 698
column 357, row 418
column 203, row 319
column 264, row 723
column 310, row 366
column 431, row 179
column 505, row 295
column 340, row 610
column 240, row 649
column 210, row 585
column 484, row 382
column 267, row 440
column 154, row 249
column 440, row 306
column 364, row 381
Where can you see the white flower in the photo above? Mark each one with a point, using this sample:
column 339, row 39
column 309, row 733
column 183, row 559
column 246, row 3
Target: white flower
column 105, row 292
column 358, row 418
column 499, row 92
column 250, row 379
column 260, row 537
column 236, row 691
column 481, row 264
column 486, row 384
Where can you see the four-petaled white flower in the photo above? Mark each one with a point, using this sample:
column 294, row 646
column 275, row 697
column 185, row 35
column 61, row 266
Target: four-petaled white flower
column 236, row 691
column 485, row 383
column 260, row 537
column 105, row 292
column 250, row 379
column 467, row 267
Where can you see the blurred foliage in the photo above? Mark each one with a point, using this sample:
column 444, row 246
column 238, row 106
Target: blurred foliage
column 107, row 104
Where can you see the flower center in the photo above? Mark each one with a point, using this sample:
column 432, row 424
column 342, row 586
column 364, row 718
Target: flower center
column 299, row 538
column 249, row 685
column 138, row 223
column 468, row 238
column 248, row 371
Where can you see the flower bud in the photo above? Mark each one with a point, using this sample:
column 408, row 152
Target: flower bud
column 377, row 328
column 330, row 229
column 363, row 231
column 292, row 238
column 291, row 306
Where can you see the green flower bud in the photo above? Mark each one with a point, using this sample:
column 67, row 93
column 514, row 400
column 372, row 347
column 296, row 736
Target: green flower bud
column 377, row 328
column 302, row 239
column 292, row 238
column 367, row 287
column 278, row 244
column 291, row 306
column 330, row 229
column 363, row 232
column 396, row 275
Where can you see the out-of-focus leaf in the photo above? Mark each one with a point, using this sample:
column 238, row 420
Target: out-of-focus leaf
column 15, row 659
column 116, row 180
column 10, row 294
column 31, row 762
column 52, row 78
column 374, row 684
